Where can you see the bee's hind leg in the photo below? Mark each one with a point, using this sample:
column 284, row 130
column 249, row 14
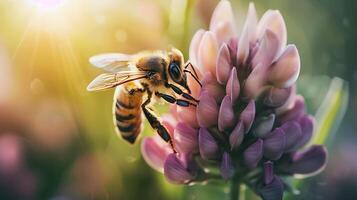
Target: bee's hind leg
column 155, row 123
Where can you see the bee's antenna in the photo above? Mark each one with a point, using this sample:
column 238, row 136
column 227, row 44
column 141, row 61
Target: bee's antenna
column 187, row 71
column 193, row 69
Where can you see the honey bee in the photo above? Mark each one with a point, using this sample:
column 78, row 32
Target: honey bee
column 141, row 80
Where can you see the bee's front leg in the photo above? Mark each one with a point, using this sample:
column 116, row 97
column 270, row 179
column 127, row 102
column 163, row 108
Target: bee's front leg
column 171, row 99
column 178, row 91
column 155, row 122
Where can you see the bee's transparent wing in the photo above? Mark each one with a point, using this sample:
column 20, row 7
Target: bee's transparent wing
column 110, row 80
column 112, row 62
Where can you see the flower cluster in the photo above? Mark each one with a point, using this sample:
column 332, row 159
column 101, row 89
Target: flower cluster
column 250, row 122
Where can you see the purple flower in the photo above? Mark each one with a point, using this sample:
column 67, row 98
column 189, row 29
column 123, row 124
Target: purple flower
column 249, row 118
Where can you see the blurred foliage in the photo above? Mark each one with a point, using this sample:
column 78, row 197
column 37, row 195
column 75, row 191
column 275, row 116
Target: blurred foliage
column 69, row 146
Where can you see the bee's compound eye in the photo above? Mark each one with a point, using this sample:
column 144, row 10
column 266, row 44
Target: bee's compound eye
column 175, row 72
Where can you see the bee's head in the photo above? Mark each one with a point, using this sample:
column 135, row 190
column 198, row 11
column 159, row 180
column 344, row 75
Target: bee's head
column 175, row 68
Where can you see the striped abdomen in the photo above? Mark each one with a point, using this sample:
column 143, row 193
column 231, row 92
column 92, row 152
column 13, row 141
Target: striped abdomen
column 127, row 110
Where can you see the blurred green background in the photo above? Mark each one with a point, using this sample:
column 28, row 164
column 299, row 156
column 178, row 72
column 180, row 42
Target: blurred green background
column 57, row 140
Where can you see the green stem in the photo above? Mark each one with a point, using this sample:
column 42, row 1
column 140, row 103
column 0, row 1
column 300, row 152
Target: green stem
column 235, row 189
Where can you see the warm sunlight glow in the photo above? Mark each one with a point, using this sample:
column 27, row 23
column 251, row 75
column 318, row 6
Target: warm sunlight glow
column 48, row 4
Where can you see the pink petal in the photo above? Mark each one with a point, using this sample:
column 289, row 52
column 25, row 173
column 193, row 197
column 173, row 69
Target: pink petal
column 222, row 21
column 188, row 115
column 233, row 46
column 295, row 112
column 226, row 118
column 263, row 125
column 237, row 135
column 173, row 111
column 155, row 151
column 274, row 145
column 253, row 154
column 214, row 89
column 223, row 32
column 289, row 102
column 233, row 86
column 247, row 116
column 308, row 162
column 273, row 20
column 209, row 149
column 194, row 45
column 207, row 110
column 175, row 170
column 307, row 127
column 185, row 138
column 285, row 71
column 248, row 35
column 293, row 134
column 207, row 53
column 255, row 83
column 267, row 51
column 275, row 97
column 224, row 64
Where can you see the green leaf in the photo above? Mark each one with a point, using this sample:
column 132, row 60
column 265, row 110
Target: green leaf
column 330, row 113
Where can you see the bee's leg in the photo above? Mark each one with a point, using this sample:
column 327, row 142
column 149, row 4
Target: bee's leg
column 171, row 99
column 183, row 94
column 155, row 123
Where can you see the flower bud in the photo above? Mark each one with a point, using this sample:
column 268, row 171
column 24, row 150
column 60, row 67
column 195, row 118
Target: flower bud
column 208, row 146
column 224, row 64
column 195, row 43
column 275, row 97
column 233, row 86
column 248, row 35
column 227, row 168
column 207, row 52
column 237, row 135
column 207, row 110
column 176, row 172
column 214, row 89
column 253, row 154
column 307, row 127
column 267, row 50
column 273, row 20
column 274, row 144
column 285, row 71
column 295, row 112
column 293, row 133
column 226, row 116
column 272, row 191
column 268, row 172
column 222, row 21
column 263, row 125
column 247, row 115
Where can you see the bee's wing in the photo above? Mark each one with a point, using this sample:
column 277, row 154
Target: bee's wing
column 112, row 62
column 110, row 80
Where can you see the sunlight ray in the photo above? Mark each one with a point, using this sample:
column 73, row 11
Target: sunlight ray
column 24, row 35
